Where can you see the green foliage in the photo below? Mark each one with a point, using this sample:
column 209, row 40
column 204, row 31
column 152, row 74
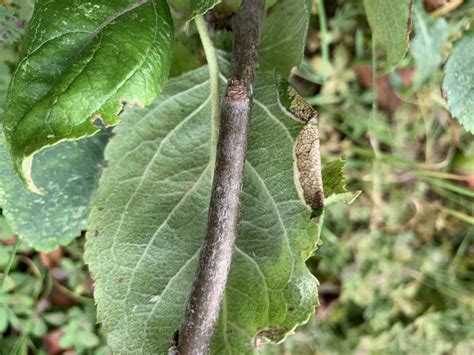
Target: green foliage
column 57, row 217
column 395, row 268
column 284, row 36
column 458, row 84
column 391, row 25
column 404, row 285
column 30, row 319
column 73, row 79
column 427, row 44
column 79, row 332
column 162, row 161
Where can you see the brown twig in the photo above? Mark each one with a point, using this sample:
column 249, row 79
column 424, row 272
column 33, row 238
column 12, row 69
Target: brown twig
column 224, row 209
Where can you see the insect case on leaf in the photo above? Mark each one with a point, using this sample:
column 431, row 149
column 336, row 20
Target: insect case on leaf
column 307, row 153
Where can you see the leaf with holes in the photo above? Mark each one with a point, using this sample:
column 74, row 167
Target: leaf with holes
column 81, row 63
column 48, row 221
column 150, row 213
column 391, row 26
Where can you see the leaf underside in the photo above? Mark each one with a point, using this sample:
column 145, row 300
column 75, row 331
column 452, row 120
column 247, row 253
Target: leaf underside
column 150, row 212
column 48, row 221
column 427, row 45
column 390, row 22
column 458, row 84
column 284, row 36
column 80, row 64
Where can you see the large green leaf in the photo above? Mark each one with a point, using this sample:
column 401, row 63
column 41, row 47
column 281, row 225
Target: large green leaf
column 391, row 25
column 284, row 36
column 458, row 84
column 427, row 45
column 81, row 62
column 150, row 213
column 69, row 172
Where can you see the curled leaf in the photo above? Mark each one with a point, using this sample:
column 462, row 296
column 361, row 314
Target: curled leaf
column 307, row 152
column 308, row 161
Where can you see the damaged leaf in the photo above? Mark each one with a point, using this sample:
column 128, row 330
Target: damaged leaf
column 83, row 61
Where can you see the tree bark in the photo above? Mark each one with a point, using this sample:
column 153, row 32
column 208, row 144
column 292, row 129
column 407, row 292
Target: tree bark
column 208, row 289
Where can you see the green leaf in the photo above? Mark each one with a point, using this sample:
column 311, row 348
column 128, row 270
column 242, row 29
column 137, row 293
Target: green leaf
column 54, row 219
column 284, row 36
column 458, row 84
column 334, row 182
column 150, row 213
column 390, row 22
column 81, row 63
column 11, row 28
column 427, row 45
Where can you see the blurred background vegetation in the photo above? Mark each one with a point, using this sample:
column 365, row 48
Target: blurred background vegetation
column 396, row 268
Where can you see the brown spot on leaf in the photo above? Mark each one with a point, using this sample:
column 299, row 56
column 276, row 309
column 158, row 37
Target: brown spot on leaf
column 98, row 121
column 273, row 334
column 124, row 105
